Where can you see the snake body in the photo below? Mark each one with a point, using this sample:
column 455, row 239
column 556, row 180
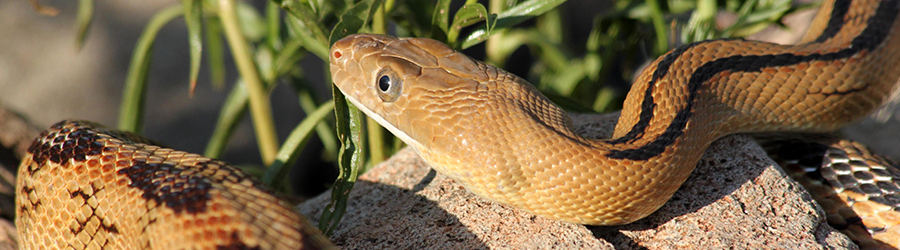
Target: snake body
column 86, row 187
column 859, row 191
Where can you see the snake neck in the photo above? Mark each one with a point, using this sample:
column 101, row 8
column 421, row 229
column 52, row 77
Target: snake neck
column 682, row 103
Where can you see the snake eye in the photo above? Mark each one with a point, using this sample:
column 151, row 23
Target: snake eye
column 384, row 83
column 389, row 85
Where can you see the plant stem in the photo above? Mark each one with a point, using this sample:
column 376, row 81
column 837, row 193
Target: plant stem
column 493, row 44
column 379, row 26
column 260, row 110
column 656, row 16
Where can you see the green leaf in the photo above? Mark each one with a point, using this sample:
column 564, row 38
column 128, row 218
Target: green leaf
column 309, row 23
column 288, row 57
column 414, row 18
column 350, row 159
column 193, row 17
column 568, row 78
column 509, row 42
column 440, row 19
column 215, row 52
column 83, row 21
column 132, row 109
column 700, row 25
column 657, row 18
column 511, row 17
column 567, row 103
column 234, row 108
column 348, row 124
column 277, row 173
column 253, row 26
column 379, row 20
column 311, row 44
column 326, row 132
column 467, row 15
column 376, row 142
column 354, row 19
column 605, row 97
column 265, row 59
column 273, row 26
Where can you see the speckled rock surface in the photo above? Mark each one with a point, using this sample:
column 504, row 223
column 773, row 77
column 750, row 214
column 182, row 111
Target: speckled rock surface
column 735, row 198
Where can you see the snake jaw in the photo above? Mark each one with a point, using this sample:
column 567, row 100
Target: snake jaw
column 378, row 118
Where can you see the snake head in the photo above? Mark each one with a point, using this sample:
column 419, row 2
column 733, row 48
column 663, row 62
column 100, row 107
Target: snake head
column 448, row 107
column 420, row 89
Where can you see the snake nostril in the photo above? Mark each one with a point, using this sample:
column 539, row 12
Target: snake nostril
column 337, row 54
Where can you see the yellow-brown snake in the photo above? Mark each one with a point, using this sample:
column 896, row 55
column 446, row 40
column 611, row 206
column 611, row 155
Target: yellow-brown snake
column 86, row 187
column 498, row 136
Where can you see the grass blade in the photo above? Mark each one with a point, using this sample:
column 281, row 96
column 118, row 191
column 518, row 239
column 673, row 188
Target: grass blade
column 308, row 42
column 376, row 141
column 233, row 110
column 83, row 21
column 215, row 53
column 656, row 17
column 325, row 132
column 273, row 26
column 508, row 18
column 277, row 173
column 354, row 19
column 287, row 58
column 305, row 15
column 132, row 109
column 193, row 18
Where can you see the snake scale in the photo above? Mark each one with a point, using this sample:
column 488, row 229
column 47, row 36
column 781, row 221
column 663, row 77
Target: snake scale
column 86, row 187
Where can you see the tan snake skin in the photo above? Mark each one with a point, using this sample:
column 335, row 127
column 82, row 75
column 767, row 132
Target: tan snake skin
column 86, row 187
column 500, row 138
column 859, row 191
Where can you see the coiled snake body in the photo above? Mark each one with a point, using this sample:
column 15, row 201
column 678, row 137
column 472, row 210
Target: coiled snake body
column 87, row 187
column 500, row 138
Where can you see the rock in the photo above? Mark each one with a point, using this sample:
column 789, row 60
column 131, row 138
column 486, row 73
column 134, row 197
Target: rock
column 736, row 198
column 16, row 135
column 8, row 237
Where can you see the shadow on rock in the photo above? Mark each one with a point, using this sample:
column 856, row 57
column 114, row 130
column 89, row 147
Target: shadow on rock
column 385, row 216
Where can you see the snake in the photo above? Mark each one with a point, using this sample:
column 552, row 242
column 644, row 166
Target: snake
column 84, row 186
column 498, row 136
